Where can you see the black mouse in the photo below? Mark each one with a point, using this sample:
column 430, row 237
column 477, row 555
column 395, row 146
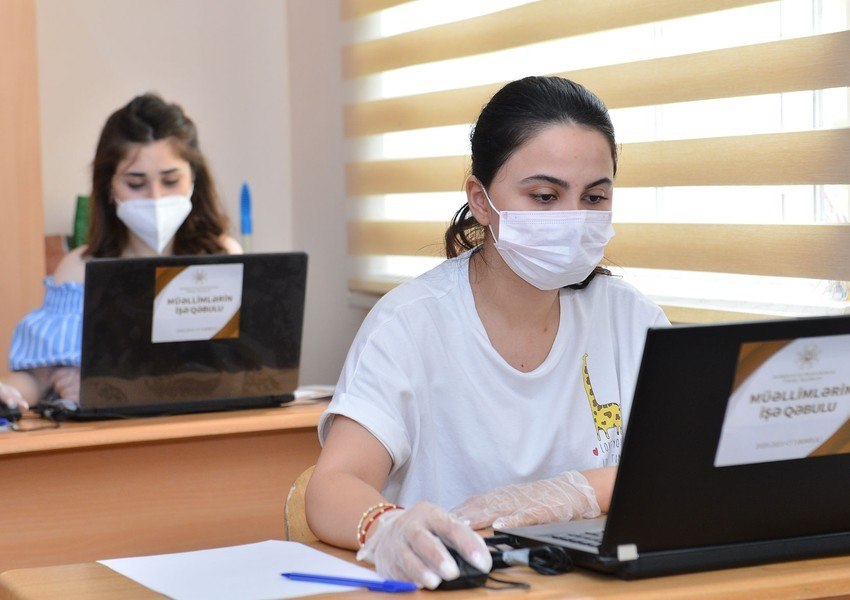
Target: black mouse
column 469, row 577
column 10, row 414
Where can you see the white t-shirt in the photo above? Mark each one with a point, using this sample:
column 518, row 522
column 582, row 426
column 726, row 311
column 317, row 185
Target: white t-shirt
column 457, row 420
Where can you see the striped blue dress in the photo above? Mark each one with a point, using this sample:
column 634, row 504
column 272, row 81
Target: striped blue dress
column 51, row 335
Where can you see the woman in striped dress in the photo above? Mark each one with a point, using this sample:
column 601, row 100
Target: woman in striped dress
column 152, row 194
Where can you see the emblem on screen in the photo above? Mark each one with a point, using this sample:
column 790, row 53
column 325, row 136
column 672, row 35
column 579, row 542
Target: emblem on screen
column 808, row 356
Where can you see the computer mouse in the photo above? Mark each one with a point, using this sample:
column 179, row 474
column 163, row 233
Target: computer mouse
column 8, row 413
column 469, row 577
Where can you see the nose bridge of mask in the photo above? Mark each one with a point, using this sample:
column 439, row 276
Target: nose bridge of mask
column 544, row 219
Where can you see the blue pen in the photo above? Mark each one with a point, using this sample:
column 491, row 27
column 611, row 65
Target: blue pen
column 247, row 228
column 387, row 585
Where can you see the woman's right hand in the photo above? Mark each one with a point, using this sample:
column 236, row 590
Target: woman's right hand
column 408, row 545
column 11, row 397
column 65, row 381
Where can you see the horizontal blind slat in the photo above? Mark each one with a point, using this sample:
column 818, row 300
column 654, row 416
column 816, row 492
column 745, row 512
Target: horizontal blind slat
column 527, row 24
column 808, row 63
column 796, row 158
column 433, row 174
column 698, row 314
column 810, row 251
column 406, row 238
column 675, row 313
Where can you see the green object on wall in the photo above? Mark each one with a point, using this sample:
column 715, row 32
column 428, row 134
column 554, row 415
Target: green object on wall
column 81, row 222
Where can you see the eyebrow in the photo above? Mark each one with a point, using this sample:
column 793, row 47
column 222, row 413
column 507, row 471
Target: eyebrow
column 602, row 181
column 165, row 172
column 562, row 183
column 546, row 178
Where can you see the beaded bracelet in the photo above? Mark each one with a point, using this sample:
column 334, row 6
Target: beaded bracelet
column 371, row 515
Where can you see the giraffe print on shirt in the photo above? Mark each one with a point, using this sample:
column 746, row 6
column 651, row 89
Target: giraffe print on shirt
column 605, row 416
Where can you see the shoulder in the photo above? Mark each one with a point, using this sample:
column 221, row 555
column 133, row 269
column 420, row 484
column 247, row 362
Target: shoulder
column 433, row 286
column 72, row 267
column 616, row 286
column 622, row 298
column 231, row 246
column 420, row 300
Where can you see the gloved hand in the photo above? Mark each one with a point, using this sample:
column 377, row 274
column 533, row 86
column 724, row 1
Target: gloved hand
column 406, row 545
column 11, row 397
column 562, row 498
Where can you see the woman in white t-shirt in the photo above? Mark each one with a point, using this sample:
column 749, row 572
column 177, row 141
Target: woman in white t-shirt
column 496, row 385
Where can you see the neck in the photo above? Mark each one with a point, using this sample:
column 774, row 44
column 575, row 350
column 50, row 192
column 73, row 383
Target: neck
column 496, row 287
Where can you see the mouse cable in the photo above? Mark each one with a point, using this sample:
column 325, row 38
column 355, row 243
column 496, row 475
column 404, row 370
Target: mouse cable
column 506, row 584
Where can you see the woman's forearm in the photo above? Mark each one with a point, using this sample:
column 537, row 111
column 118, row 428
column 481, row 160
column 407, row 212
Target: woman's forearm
column 335, row 502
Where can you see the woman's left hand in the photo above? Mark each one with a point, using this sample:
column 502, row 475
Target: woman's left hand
column 565, row 497
column 65, row 381
column 11, row 397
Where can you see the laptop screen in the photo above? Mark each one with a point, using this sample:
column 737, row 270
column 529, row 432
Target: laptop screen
column 191, row 329
column 695, row 471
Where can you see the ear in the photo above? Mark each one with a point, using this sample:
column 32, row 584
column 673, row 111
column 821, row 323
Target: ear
column 477, row 201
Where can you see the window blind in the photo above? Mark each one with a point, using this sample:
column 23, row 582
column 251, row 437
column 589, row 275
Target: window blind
column 723, row 210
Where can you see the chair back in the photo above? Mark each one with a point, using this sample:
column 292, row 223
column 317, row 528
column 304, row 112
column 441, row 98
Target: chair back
column 295, row 513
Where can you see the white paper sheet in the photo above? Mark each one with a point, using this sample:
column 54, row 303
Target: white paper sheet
column 248, row 572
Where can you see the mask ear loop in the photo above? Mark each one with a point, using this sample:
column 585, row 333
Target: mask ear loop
column 496, row 210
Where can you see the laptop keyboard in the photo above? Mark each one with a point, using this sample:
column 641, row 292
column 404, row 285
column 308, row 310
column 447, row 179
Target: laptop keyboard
column 587, row 538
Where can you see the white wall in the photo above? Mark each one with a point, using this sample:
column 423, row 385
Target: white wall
column 260, row 78
column 224, row 61
column 320, row 208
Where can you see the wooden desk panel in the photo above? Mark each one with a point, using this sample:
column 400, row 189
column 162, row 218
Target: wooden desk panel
column 89, row 491
column 820, row 578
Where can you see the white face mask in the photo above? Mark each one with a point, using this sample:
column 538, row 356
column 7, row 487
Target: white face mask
column 551, row 249
column 155, row 221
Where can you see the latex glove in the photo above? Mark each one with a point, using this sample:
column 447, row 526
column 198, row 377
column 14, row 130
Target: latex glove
column 563, row 498
column 11, row 397
column 65, row 381
column 407, row 545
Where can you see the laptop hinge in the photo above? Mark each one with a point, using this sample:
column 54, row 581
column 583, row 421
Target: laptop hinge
column 627, row 552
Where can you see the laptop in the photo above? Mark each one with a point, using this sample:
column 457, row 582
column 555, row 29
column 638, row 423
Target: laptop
column 737, row 453
column 181, row 334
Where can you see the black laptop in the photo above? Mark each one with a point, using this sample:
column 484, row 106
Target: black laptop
column 737, row 452
column 180, row 334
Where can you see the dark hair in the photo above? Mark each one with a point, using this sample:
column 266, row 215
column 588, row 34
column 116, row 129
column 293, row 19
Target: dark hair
column 515, row 114
column 148, row 118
